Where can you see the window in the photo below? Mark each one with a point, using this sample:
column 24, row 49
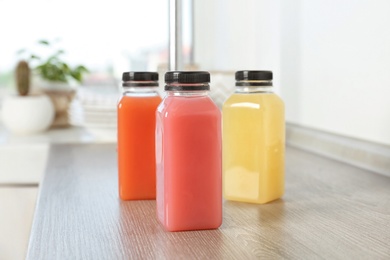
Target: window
column 108, row 37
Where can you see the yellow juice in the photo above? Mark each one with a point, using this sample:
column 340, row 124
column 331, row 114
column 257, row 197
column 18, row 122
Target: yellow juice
column 253, row 147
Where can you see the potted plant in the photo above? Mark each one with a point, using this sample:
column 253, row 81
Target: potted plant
column 56, row 78
column 23, row 113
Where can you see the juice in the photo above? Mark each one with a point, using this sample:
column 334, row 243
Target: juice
column 253, row 147
column 188, row 157
column 136, row 145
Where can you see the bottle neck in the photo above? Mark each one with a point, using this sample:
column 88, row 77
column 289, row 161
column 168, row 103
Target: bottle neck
column 253, row 89
column 187, row 93
column 140, row 91
column 187, row 89
column 254, row 86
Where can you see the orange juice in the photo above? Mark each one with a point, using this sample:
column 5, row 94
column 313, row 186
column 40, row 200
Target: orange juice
column 253, row 141
column 136, row 138
column 188, row 155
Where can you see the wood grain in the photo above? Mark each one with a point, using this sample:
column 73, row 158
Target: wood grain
column 330, row 210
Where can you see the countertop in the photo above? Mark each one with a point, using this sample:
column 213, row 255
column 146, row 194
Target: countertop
column 330, row 210
column 23, row 161
column 23, row 158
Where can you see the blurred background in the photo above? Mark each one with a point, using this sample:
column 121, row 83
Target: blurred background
column 106, row 36
column 330, row 59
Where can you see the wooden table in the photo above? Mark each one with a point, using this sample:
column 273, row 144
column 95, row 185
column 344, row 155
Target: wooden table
column 330, row 210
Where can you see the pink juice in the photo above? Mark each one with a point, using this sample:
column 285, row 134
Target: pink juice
column 188, row 157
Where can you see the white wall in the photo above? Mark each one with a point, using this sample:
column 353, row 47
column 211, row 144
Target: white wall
column 235, row 35
column 341, row 66
column 331, row 58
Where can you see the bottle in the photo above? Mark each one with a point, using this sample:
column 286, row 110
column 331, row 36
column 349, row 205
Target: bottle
column 253, row 135
column 136, row 136
column 188, row 154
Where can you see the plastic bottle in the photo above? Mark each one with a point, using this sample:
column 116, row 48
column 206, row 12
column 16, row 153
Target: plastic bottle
column 253, row 140
column 188, row 154
column 136, row 135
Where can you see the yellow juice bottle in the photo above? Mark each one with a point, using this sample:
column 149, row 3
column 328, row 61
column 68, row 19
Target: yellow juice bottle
column 253, row 137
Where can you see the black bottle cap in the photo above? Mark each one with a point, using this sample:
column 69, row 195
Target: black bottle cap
column 182, row 80
column 187, row 77
column 139, row 76
column 254, row 75
column 135, row 78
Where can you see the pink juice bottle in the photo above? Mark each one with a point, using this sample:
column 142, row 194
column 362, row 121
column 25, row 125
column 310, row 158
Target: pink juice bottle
column 188, row 154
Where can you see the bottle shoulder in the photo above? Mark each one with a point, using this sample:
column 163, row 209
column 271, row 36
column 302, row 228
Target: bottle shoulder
column 179, row 105
column 188, row 100
column 132, row 102
column 253, row 98
column 140, row 94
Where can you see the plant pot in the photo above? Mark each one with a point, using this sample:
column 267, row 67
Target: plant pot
column 61, row 95
column 27, row 114
column 61, row 100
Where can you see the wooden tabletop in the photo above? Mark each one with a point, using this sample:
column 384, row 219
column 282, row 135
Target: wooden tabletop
column 330, row 211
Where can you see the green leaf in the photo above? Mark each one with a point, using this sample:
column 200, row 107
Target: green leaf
column 59, row 52
column 53, row 68
column 44, row 42
column 34, row 57
column 76, row 75
column 82, row 69
column 65, row 68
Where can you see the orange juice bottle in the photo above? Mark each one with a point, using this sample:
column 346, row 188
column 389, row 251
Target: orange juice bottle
column 136, row 136
column 253, row 140
column 188, row 154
